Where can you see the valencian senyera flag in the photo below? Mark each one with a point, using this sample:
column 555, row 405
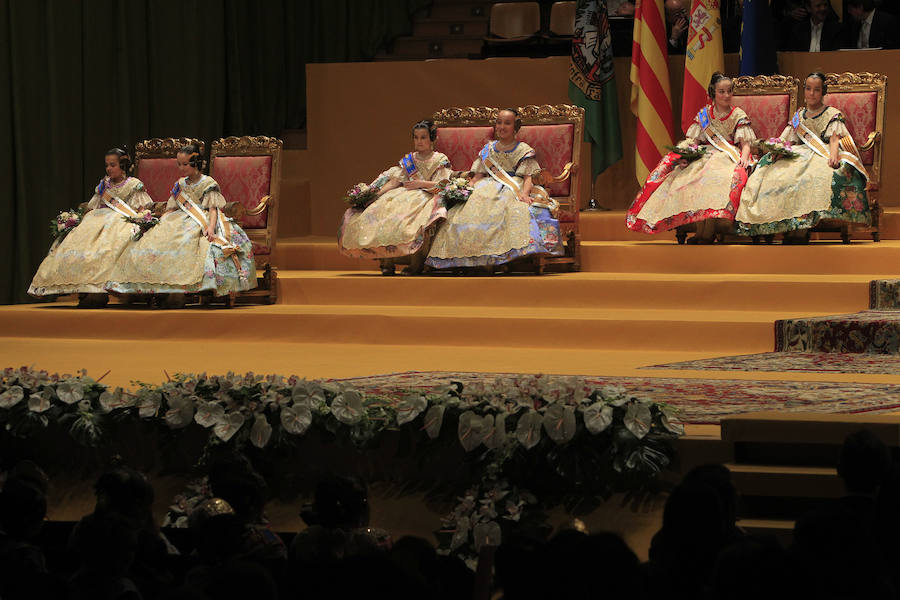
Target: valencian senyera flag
column 651, row 96
column 703, row 57
column 592, row 83
column 758, row 55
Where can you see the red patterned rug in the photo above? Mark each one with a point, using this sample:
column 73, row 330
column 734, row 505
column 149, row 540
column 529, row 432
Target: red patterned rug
column 804, row 362
column 701, row 401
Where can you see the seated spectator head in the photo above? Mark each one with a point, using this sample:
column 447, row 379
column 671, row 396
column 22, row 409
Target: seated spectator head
column 750, row 568
column 339, row 503
column 718, row 477
column 864, row 462
column 126, row 492
column 673, row 7
column 233, row 479
column 216, row 531
column 23, row 506
column 859, row 9
column 819, row 10
column 107, row 543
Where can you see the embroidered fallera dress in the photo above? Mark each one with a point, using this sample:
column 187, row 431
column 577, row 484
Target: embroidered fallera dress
column 82, row 261
column 400, row 222
column 796, row 193
column 176, row 257
column 707, row 188
column 493, row 226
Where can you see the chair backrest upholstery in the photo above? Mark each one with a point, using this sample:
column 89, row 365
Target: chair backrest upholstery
column 562, row 18
column 554, row 131
column 155, row 164
column 515, row 19
column 860, row 97
column 769, row 100
column 248, row 169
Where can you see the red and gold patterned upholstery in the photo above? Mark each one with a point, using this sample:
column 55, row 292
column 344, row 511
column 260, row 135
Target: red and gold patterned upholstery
column 155, row 165
column 769, row 113
column 554, row 131
column 248, row 170
column 859, row 109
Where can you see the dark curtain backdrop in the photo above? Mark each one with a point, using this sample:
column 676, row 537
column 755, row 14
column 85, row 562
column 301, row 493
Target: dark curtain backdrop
column 82, row 76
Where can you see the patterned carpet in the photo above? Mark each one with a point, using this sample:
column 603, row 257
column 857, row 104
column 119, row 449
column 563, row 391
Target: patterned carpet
column 872, row 331
column 804, row 362
column 699, row 400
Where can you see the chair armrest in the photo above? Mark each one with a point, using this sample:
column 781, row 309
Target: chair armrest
column 874, row 137
column 264, row 202
column 545, row 177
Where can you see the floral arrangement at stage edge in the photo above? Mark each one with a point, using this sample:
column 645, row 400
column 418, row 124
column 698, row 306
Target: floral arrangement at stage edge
column 776, row 147
column 141, row 223
column 65, row 222
column 360, row 195
column 453, row 191
column 688, row 149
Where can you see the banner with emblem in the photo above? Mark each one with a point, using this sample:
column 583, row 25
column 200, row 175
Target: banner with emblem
column 704, row 56
column 592, row 84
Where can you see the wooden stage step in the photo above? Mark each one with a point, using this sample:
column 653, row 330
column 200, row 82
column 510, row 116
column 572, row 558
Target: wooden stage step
column 808, row 428
column 795, row 482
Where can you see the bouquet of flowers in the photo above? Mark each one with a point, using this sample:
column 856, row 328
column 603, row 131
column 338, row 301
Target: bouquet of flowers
column 360, row 195
column 776, row 147
column 688, row 149
column 141, row 223
column 453, row 191
column 65, row 222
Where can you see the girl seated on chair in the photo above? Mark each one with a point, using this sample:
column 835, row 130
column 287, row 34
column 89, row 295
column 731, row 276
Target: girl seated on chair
column 83, row 260
column 706, row 190
column 507, row 217
column 194, row 248
column 398, row 226
column 826, row 180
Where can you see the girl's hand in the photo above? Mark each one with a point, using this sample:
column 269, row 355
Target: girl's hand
column 682, row 162
column 523, row 197
column 412, row 185
column 210, row 234
column 833, row 161
column 744, row 162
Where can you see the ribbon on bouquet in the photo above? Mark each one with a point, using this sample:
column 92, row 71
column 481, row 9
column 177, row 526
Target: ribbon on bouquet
column 502, row 177
column 223, row 229
column 715, row 138
column 848, row 152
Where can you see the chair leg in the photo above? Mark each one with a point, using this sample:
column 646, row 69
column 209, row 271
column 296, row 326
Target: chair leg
column 845, row 234
column 680, row 235
column 876, row 236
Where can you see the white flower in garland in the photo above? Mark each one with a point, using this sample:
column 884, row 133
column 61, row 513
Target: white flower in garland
column 12, row 396
column 181, row 411
column 309, row 394
column 638, row 419
column 597, row 417
column 434, row 418
column 70, row 391
column 148, row 403
column 670, row 420
column 260, row 432
column 296, row 419
column 209, row 413
column 487, row 534
column 528, row 429
column 111, row 400
column 39, row 403
column 496, row 435
column 410, row 407
column 347, row 407
column 559, row 422
column 228, row 426
column 472, row 429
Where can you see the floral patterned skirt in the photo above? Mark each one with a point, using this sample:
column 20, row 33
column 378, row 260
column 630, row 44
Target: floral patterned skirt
column 394, row 225
column 174, row 257
column 796, row 193
column 493, row 227
column 707, row 188
column 85, row 258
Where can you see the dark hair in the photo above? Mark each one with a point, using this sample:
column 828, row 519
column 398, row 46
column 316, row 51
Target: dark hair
column 122, row 155
column 428, row 125
column 864, row 462
column 195, row 158
column 866, row 5
column 714, row 80
column 820, row 76
column 518, row 124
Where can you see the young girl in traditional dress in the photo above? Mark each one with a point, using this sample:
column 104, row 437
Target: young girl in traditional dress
column 83, row 260
column 194, row 248
column 400, row 223
column 826, row 180
column 507, row 216
column 707, row 190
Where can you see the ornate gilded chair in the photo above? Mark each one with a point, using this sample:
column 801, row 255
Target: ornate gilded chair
column 554, row 131
column 155, row 165
column 770, row 102
column 860, row 97
column 248, row 170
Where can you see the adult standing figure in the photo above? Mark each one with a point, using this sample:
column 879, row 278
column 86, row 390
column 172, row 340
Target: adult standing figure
column 821, row 32
column 400, row 222
column 826, row 180
column 507, row 216
column 194, row 248
column 82, row 261
column 707, row 190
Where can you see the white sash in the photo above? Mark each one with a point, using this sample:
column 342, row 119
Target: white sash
column 118, row 205
column 223, row 229
column 848, row 152
column 503, row 178
column 720, row 143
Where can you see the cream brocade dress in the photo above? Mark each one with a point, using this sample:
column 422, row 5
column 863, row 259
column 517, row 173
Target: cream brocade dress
column 83, row 260
column 707, row 188
column 790, row 194
column 399, row 222
column 175, row 256
column 493, row 226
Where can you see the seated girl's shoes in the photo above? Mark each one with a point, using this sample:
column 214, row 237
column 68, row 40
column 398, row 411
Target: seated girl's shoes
column 92, row 300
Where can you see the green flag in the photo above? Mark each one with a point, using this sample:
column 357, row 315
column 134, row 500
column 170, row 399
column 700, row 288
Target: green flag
column 592, row 84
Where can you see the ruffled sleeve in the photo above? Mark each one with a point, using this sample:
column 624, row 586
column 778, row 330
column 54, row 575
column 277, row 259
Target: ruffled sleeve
column 788, row 135
column 94, row 202
column 213, row 198
column 527, row 166
column 836, row 126
column 171, row 204
column 694, row 131
column 140, row 200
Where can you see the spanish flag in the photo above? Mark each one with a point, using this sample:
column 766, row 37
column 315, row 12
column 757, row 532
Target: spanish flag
column 651, row 98
column 703, row 57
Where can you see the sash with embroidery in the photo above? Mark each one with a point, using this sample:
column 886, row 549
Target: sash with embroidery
column 408, row 164
column 848, row 152
column 115, row 203
column 223, row 227
column 502, row 177
column 714, row 137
